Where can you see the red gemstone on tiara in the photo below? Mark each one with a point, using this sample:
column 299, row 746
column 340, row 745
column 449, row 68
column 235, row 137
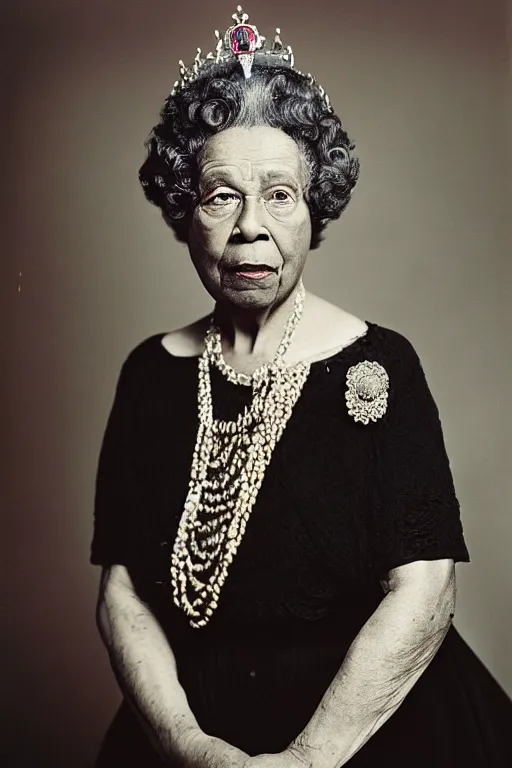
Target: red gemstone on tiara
column 243, row 40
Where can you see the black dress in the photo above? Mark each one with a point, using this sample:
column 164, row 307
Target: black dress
column 342, row 503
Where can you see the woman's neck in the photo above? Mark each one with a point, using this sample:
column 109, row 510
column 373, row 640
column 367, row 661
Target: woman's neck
column 254, row 333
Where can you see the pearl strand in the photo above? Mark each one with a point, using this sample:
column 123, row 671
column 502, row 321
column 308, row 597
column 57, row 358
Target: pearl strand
column 228, row 467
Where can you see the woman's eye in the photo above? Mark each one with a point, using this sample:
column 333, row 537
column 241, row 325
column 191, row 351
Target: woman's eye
column 221, row 198
column 280, row 196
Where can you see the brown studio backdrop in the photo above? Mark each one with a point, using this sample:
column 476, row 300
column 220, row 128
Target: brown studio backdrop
column 423, row 248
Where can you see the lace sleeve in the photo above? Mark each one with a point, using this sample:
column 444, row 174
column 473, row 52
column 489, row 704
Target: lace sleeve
column 117, row 492
column 417, row 513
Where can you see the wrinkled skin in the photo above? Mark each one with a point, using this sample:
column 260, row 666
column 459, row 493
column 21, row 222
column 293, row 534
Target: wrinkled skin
column 251, row 209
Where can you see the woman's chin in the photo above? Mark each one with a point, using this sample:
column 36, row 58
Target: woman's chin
column 248, row 293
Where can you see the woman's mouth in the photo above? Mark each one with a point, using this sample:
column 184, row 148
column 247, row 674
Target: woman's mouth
column 253, row 271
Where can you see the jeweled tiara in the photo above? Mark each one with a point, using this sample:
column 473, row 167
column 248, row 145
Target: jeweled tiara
column 243, row 42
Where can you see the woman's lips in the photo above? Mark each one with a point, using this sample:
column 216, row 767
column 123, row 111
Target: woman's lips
column 255, row 275
column 252, row 271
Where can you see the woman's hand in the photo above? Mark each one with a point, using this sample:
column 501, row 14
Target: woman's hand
column 204, row 751
column 289, row 758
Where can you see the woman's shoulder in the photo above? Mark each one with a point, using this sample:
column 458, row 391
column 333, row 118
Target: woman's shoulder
column 164, row 348
column 393, row 343
column 187, row 341
column 342, row 329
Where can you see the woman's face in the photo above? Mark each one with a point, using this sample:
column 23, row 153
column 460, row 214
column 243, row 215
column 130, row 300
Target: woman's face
column 251, row 230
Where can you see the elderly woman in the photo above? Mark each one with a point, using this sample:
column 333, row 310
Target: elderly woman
column 275, row 513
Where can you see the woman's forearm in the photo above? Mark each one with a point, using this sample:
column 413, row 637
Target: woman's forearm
column 386, row 659
column 145, row 668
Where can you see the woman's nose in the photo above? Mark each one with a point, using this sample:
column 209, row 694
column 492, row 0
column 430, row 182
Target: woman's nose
column 249, row 222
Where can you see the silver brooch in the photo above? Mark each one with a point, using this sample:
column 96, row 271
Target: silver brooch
column 367, row 391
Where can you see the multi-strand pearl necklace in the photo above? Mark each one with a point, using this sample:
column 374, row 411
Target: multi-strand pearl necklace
column 228, row 467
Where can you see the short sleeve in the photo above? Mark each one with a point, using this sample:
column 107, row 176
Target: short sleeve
column 117, row 491
column 416, row 513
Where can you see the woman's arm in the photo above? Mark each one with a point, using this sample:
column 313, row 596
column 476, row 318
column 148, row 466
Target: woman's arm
column 145, row 669
column 385, row 660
